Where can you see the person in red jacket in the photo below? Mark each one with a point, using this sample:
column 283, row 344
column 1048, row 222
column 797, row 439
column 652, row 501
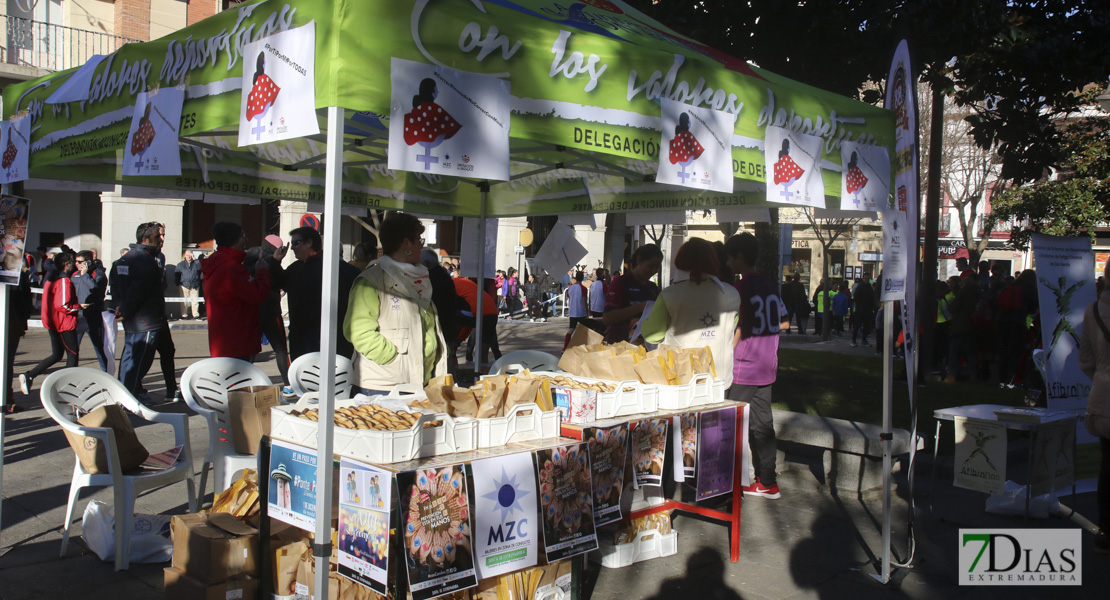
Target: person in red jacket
column 59, row 316
column 233, row 296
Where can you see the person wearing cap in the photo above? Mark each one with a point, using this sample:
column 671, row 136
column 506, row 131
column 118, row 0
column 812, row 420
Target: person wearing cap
column 188, row 275
column 233, row 295
column 303, row 282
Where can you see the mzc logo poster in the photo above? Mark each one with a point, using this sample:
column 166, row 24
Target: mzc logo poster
column 865, row 180
column 444, row 121
column 435, row 519
column 696, row 150
column 365, row 495
column 506, row 523
column 279, row 87
column 15, row 138
column 152, row 140
column 292, row 484
column 793, row 163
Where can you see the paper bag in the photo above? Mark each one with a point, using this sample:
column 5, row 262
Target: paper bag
column 584, row 336
column 521, row 391
column 461, row 402
column 249, row 412
column 287, row 559
column 90, row 451
column 491, row 402
column 572, row 359
column 653, row 369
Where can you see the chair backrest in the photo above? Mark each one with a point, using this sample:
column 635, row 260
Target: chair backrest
column 206, row 383
column 304, row 374
column 534, row 360
column 79, row 389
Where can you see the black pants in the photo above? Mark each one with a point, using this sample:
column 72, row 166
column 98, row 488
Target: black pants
column 274, row 330
column 761, row 429
column 1104, row 487
column 14, row 335
column 166, row 353
column 62, row 343
column 489, row 340
column 862, row 325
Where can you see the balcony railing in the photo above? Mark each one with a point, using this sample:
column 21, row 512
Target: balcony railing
column 53, row 47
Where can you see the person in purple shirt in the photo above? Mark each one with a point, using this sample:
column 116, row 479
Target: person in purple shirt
column 627, row 294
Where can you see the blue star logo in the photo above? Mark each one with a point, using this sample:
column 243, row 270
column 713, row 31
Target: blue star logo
column 506, row 494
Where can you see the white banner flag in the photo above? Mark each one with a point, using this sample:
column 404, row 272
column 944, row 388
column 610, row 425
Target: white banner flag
column 279, row 92
column 696, row 149
column 152, row 147
column 448, row 122
column 793, row 161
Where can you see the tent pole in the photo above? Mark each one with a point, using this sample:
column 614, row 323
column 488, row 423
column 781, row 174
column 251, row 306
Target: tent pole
column 888, row 401
column 333, row 184
column 5, row 375
column 481, row 243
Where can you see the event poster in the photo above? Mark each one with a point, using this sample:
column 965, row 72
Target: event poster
column 14, row 212
column 292, row 484
column 696, row 149
column 684, row 435
column 1065, row 289
column 435, row 513
column 894, row 255
column 152, row 141
column 716, row 452
column 443, row 121
column 793, row 163
column 279, row 87
column 608, row 454
column 865, row 179
column 15, row 139
column 365, row 497
column 1053, row 457
column 566, row 500
column 649, row 449
column 505, row 518
column 980, row 457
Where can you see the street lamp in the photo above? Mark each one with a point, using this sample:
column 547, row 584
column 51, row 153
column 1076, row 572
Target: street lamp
column 1104, row 99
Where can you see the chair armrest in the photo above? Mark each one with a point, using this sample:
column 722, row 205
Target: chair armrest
column 179, row 422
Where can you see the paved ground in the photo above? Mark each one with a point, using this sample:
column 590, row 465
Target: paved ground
column 812, row 543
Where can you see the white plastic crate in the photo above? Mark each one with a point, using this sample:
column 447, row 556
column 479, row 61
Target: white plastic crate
column 700, row 390
column 630, row 397
column 374, row 446
column 523, row 423
column 648, row 544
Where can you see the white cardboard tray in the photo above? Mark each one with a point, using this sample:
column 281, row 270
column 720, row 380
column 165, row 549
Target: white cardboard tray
column 648, row 544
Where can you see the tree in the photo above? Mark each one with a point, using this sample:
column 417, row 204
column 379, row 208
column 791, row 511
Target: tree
column 827, row 231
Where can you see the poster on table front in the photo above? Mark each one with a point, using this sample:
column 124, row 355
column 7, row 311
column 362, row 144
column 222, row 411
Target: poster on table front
column 566, row 500
column 696, row 149
column 279, row 87
column 608, row 454
column 506, row 523
column 1065, row 288
column 1053, row 457
column 292, row 484
column 443, row 121
column 865, row 178
column 980, row 456
column 716, row 453
column 649, row 448
column 15, row 139
column 365, row 498
column 14, row 212
column 435, row 518
column 151, row 147
column 793, row 163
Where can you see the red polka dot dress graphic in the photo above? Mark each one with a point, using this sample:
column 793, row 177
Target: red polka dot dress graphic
column 786, row 170
column 144, row 134
column 9, row 155
column 856, row 180
column 684, row 147
column 428, row 122
column 262, row 96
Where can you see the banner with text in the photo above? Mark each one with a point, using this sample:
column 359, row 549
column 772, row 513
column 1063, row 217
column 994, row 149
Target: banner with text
column 506, row 523
column 365, row 498
column 278, row 99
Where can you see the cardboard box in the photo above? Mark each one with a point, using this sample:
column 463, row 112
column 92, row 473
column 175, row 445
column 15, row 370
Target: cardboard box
column 575, row 405
column 179, row 586
column 249, row 411
column 214, row 547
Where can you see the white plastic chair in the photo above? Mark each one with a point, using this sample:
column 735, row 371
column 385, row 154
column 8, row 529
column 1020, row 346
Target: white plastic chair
column 205, row 385
column 85, row 390
column 304, row 374
column 515, row 362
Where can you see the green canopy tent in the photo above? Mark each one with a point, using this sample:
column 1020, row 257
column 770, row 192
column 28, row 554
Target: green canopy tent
column 586, row 79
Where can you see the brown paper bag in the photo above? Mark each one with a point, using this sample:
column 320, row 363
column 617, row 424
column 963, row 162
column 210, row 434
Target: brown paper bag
column 491, row 402
column 572, row 359
column 287, row 559
column 584, row 336
column 520, row 391
column 90, row 451
column 461, row 402
column 249, row 412
column 683, row 367
column 653, row 369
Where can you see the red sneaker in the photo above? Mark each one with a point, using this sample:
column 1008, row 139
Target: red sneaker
column 758, row 489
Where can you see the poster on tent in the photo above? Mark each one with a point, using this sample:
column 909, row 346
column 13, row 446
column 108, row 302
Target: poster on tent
column 365, row 497
column 716, row 453
column 443, row 121
column 292, row 484
column 1065, row 288
column 505, row 517
column 649, row 449
column 793, row 160
column 894, row 255
column 14, row 212
column 279, row 87
column 865, row 180
column 15, row 139
column 566, row 501
column 684, row 435
column 471, row 241
column 608, row 454
column 560, row 251
column 1053, row 467
column 980, row 455
column 696, row 149
column 152, row 140
column 435, row 518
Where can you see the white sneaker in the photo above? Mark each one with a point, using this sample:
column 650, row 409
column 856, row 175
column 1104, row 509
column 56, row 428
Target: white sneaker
column 25, row 384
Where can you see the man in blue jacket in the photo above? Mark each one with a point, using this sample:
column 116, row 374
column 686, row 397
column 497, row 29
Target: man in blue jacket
column 137, row 289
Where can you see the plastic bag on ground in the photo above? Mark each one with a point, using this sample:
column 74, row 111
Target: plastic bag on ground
column 1012, row 502
column 150, row 534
